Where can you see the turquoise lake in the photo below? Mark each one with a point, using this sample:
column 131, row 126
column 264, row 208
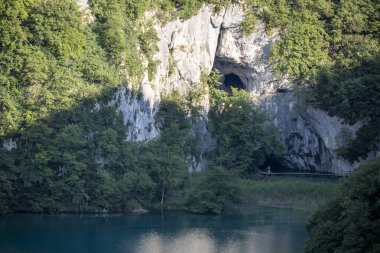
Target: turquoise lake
column 259, row 230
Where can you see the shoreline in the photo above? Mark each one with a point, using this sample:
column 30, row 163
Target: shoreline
column 285, row 193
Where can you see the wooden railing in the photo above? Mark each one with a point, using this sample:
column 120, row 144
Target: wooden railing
column 308, row 174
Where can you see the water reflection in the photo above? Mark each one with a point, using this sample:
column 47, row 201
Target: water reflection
column 202, row 240
column 261, row 230
column 194, row 241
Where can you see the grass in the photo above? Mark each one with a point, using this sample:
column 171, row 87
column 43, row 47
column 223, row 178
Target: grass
column 297, row 193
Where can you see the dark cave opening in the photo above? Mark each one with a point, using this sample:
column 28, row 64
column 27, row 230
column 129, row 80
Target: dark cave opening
column 276, row 164
column 232, row 80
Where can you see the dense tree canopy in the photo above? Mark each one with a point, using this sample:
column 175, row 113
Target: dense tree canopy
column 244, row 134
column 80, row 161
column 353, row 95
column 245, row 138
column 48, row 60
column 58, row 76
column 319, row 34
column 350, row 222
column 332, row 48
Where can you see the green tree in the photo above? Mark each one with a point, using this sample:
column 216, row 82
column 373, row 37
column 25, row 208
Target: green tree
column 301, row 51
column 211, row 191
column 353, row 95
column 171, row 152
column 350, row 222
column 244, row 134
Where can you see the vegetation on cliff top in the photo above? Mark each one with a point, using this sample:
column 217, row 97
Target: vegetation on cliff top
column 332, row 48
column 320, row 34
column 50, row 61
column 57, row 77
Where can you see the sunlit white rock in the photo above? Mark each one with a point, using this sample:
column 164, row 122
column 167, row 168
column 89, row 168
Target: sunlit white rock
column 194, row 46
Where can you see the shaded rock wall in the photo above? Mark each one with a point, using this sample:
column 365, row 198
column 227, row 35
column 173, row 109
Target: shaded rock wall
column 194, row 46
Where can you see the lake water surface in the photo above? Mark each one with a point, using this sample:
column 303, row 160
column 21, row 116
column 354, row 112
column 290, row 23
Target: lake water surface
column 259, row 230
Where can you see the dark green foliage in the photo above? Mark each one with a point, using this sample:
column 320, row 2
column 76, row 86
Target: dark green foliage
column 245, row 135
column 350, row 223
column 367, row 139
column 211, row 191
column 353, row 95
column 333, row 48
column 58, row 169
column 305, row 49
column 170, row 154
column 245, row 138
column 79, row 161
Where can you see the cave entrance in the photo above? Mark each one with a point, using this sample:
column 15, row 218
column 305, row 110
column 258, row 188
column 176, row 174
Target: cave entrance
column 232, row 80
column 276, row 164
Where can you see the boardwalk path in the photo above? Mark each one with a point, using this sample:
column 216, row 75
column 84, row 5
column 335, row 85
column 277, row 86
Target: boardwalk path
column 306, row 174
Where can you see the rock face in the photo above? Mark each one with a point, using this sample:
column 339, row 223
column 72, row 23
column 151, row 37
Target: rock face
column 138, row 115
column 192, row 47
column 247, row 56
column 9, row 144
column 308, row 134
column 186, row 50
column 88, row 18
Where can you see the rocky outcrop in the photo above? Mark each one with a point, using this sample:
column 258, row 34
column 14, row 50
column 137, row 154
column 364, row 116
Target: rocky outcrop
column 247, row 56
column 192, row 47
column 88, row 18
column 308, row 134
column 138, row 115
column 186, row 50
column 9, row 144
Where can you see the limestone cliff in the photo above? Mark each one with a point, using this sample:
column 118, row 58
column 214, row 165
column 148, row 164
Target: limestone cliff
column 214, row 39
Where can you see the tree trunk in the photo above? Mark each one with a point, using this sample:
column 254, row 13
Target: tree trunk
column 162, row 195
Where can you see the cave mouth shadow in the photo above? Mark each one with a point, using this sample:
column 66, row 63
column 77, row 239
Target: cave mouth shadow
column 231, row 81
column 277, row 164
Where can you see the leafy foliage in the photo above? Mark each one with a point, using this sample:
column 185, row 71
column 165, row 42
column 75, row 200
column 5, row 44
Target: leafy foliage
column 318, row 34
column 350, row 223
column 172, row 151
column 245, row 135
column 305, row 49
column 57, row 77
column 211, row 191
column 45, row 52
column 333, row 48
column 79, row 161
column 354, row 96
column 244, row 140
